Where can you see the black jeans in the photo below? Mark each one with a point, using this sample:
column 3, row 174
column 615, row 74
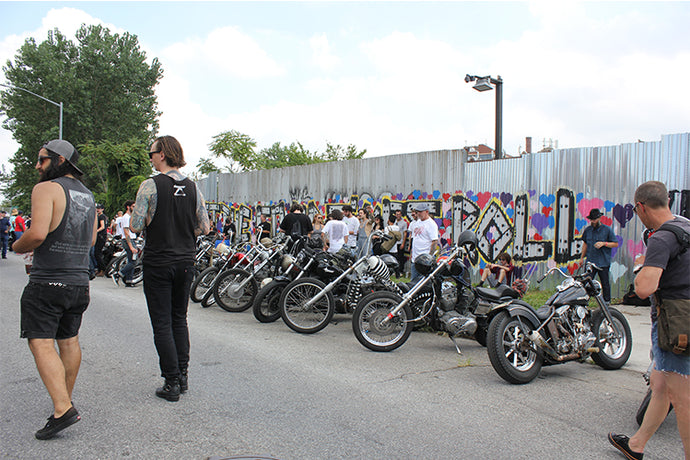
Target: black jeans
column 98, row 252
column 605, row 284
column 167, row 295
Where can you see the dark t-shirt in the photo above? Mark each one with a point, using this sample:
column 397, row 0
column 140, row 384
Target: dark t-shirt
column 296, row 222
column 103, row 219
column 662, row 246
column 264, row 229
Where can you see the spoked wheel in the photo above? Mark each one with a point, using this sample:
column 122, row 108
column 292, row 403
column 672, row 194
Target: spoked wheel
column 511, row 353
column 306, row 319
column 202, row 283
column 235, row 290
column 115, row 264
column 372, row 326
column 266, row 306
column 614, row 340
column 137, row 273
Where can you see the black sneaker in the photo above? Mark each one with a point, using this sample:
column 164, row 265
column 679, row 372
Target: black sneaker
column 620, row 442
column 170, row 390
column 55, row 425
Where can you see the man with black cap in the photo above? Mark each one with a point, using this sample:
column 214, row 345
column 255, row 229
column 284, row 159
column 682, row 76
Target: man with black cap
column 599, row 240
column 62, row 232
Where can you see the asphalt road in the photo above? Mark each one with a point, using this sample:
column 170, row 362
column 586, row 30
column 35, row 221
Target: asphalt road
column 263, row 390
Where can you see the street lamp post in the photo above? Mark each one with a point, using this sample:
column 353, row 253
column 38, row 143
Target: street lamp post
column 59, row 104
column 485, row 84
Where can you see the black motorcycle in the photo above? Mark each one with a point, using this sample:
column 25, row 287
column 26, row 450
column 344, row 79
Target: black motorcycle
column 443, row 300
column 520, row 340
column 299, row 262
column 307, row 305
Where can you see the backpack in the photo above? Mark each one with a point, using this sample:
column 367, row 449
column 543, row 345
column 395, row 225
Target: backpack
column 673, row 315
column 390, row 240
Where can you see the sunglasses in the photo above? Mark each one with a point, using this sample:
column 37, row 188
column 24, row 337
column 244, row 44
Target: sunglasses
column 151, row 154
column 42, row 159
column 635, row 208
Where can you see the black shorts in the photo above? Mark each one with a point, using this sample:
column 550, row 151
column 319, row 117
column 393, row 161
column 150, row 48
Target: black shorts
column 52, row 310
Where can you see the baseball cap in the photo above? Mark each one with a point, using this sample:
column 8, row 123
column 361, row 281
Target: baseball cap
column 66, row 150
column 421, row 207
column 99, row 206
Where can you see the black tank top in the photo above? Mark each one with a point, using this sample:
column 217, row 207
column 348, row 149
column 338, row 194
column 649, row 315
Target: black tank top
column 63, row 257
column 170, row 235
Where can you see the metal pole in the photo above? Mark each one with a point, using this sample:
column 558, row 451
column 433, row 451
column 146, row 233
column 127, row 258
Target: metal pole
column 60, row 121
column 498, row 154
column 58, row 104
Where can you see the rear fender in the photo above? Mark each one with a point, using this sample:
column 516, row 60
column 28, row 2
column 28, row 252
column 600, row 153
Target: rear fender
column 514, row 310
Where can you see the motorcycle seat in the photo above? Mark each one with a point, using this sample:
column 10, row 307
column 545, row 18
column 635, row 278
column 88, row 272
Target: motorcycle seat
column 543, row 312
column 498, row 293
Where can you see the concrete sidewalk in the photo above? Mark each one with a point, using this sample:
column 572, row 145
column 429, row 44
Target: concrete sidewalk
column 641, row 327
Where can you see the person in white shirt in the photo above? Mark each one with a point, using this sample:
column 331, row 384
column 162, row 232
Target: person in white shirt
column 352, row 227
column 336, row 231
column 424, row 234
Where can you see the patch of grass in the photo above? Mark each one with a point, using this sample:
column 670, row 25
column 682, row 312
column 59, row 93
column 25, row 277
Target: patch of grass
column 466, row 363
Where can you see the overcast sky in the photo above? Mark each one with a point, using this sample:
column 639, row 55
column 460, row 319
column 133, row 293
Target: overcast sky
column 389, row 76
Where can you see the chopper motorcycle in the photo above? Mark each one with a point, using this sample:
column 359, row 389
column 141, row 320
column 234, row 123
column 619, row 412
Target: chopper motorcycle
column 443, row 300
column 520, row 340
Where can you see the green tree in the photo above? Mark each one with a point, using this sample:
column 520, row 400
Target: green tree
column 239, row 152
column 105, row 83
column 236, row 148
column 113, row 172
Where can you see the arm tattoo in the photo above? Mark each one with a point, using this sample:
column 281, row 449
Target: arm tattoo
column 202, row 223
column 145, row 206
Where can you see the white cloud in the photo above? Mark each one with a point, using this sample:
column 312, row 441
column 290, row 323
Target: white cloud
column 226, row 50
column 322, row 56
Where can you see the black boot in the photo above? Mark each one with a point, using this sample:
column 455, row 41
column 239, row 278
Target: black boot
column 170, row 390
column 184, row 386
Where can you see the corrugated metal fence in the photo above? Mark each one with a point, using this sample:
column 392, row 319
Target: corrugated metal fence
column 603, row 177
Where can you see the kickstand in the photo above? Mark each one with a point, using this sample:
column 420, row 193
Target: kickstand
column 456, row 345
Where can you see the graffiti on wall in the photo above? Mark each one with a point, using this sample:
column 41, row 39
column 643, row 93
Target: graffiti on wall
column 533, row 227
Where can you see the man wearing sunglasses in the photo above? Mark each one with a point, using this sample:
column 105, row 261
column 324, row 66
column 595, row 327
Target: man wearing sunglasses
column 664, row 277
column 62, row 231
column 172, row 210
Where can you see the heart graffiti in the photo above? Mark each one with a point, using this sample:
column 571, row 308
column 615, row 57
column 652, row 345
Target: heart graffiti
column 547, row 200
column 483, row 198
column 623, row 214
column 584, row 206
column 506, row 198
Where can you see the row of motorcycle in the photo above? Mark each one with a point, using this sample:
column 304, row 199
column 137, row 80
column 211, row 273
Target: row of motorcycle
column 294, row 279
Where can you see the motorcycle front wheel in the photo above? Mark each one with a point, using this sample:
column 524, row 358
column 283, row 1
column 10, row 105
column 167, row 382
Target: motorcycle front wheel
column 235, row 290
column 297, row 315
column 512, row 355
column 614, row 340
column 202, row 283
column 266, row 306
column 374, row 329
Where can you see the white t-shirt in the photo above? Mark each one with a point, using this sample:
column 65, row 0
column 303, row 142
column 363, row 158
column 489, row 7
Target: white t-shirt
column 336, row 231
column 122, row 224
column 118, row 227
column 422, row 232
column 352, row 228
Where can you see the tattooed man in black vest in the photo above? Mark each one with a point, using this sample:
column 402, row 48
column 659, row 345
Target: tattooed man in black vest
column 171, row 210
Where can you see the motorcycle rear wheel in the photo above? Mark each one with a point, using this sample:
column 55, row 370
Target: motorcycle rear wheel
column 306, row 320
column 202, row 283
column 512, row 355
column 614, row 351
column 115, row 264
column 369, row 316
column 266, row 306
column 229, row 296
